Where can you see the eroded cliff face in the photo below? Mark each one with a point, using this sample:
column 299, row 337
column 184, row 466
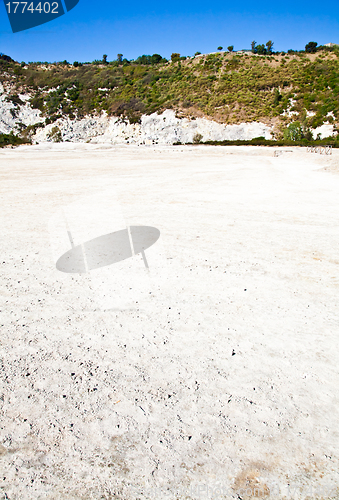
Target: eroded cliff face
column 164, row 129
column 153, row 129
column 16, row 117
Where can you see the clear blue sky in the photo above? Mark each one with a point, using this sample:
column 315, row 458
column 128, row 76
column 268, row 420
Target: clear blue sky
column 134, row 28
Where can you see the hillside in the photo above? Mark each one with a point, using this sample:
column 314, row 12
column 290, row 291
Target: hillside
column 228, row 88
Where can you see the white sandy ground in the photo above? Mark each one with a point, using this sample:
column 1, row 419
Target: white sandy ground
column 225, row 373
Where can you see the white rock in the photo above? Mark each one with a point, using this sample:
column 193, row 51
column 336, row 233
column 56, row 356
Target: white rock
column 163, row 129
column 325, row 130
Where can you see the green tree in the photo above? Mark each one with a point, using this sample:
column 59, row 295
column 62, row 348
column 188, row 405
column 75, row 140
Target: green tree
column 197, row 53
column 104, row 59
column 75, row 64
column 119, row 57
column 253, row 47
column 175, row 56
column 220, row 47
column 311, row 47
column 156, row 59
column 269, row 46
column 144, row 59
column 261, row 49
column 230, row 48
column 293, row 132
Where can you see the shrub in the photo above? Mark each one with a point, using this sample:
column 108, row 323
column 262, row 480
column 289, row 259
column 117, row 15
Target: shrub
column 277, row 97
column 55, row 135
column 197, row 139
column 11, row 139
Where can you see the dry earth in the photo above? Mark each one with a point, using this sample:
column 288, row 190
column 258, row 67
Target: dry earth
column 217, row 378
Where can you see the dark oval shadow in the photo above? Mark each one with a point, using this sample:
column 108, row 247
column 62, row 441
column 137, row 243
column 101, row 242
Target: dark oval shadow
column 107, row 249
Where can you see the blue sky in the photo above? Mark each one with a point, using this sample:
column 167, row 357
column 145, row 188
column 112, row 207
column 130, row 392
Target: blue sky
column 134, row 28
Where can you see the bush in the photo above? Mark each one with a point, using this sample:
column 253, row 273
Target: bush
column 197, row 139
column 11, row 139
column 55, row 135
column 277, row 97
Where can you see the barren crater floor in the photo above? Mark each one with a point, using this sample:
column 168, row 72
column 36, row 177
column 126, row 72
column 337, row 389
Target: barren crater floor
column 215, row 368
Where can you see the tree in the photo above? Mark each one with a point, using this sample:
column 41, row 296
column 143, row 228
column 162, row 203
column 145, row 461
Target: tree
column 5, row 58
column 104, row 59
column 119, row 57
column 175, row 56
column 269, row 46
column 297, row 131
column 230, row 48
column 261, row 49
column 156, row 58
column 311, row 47
column 220, row 47
column 253, row 46
column 144, row 59
column 197, row 53
column 75, row 64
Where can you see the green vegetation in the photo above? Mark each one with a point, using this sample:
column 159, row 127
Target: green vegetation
column 197, row 139
column 11, row 140
column 311, row 47
column 297, row 131
column 261, row 141
column 230, row 87
column 261, row 49
column 55, row 135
